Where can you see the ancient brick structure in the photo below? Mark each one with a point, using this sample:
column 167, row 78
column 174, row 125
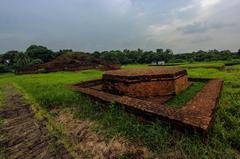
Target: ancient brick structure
column 196, row 114
column 146, row 82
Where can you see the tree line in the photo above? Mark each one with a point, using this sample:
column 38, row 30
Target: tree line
column 145, row 57
column 36, row 54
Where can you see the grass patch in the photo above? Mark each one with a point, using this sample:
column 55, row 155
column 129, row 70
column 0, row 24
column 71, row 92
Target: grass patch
column 203, row 64
column 182, row 98
column 216, row 65
column 135, row 66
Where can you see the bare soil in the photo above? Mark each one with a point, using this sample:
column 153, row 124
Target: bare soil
column 86, row 139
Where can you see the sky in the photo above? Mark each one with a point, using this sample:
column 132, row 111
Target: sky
column 90, row 25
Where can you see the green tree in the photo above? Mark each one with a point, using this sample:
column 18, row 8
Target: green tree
column 168, row 55
column 110, row 57
column 4, row 68
column 8, row 57
column 22, row 61
column 159, row 55
column 97, row 54
column 36, row 62
column 40, row 52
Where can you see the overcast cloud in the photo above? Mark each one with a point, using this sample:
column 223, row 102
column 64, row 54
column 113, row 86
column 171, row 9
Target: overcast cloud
column 89, row 25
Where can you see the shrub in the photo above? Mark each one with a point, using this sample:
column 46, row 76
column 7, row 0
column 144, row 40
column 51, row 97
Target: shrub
column 4, row 68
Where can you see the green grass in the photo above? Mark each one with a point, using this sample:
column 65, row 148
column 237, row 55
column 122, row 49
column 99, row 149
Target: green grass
column 182, row 98
column 49, row 91
column 203, row 64
column 135, row 66
column 216, row 65
column 234, row 67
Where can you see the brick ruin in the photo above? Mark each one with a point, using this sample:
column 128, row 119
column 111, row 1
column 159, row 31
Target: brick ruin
column 145, row 91
column 149, row 82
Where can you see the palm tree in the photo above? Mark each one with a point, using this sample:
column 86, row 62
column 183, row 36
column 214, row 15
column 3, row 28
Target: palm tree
column 22, row 61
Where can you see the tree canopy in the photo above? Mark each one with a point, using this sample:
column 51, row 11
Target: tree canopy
column 37, row 54
column 40, row 52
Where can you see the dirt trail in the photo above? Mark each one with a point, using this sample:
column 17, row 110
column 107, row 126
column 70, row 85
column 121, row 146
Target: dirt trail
column 24, row 137
column 85, row 139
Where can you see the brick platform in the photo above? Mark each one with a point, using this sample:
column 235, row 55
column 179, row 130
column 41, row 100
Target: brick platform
column 197, row 114
column 146, row 82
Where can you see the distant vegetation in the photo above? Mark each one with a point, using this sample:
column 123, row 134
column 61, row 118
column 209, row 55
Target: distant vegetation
column 145, row 57
column 14, row 60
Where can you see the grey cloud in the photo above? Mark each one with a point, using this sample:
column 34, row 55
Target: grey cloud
column 91, row 25
column 200, row 27
column 198, row 40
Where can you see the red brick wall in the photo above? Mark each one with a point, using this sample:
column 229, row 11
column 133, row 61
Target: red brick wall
column 181, row 84
column 149, row 88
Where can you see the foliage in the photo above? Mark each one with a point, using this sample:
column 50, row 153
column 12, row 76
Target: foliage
column 3, row 68
column 8, row 57
column 40, row 52
column 140, row 57
column 211, row 55
column 36, row 62
column 22, row 61
column 135, row 56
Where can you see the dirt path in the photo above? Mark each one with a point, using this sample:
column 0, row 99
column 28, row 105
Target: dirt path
column 24, row 137
column 88, row 141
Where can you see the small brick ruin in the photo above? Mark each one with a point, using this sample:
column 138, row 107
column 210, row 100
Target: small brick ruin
column 146, row 90
column 149, row 82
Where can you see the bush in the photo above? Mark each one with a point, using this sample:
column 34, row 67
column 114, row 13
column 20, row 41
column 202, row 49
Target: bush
column 4, row 69
column 36, row 62
column 177, row 61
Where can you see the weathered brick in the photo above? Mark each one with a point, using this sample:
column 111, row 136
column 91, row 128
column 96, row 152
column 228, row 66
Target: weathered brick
column 145, row 82
column 196, row 114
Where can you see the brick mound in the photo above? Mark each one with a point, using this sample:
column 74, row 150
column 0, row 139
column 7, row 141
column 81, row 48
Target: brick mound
column 144, row 73
column 70, row 62
column 197, row 114
column 25, row 137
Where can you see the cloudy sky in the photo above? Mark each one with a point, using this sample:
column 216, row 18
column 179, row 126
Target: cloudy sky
column 88, row 25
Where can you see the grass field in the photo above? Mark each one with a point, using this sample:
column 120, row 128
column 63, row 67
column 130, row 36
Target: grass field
column 50, row 91
column 217, row 64
column 182, row 98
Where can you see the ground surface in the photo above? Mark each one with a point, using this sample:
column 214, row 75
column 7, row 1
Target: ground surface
column 49, row 91
column 93, row 145
column 22, row 135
